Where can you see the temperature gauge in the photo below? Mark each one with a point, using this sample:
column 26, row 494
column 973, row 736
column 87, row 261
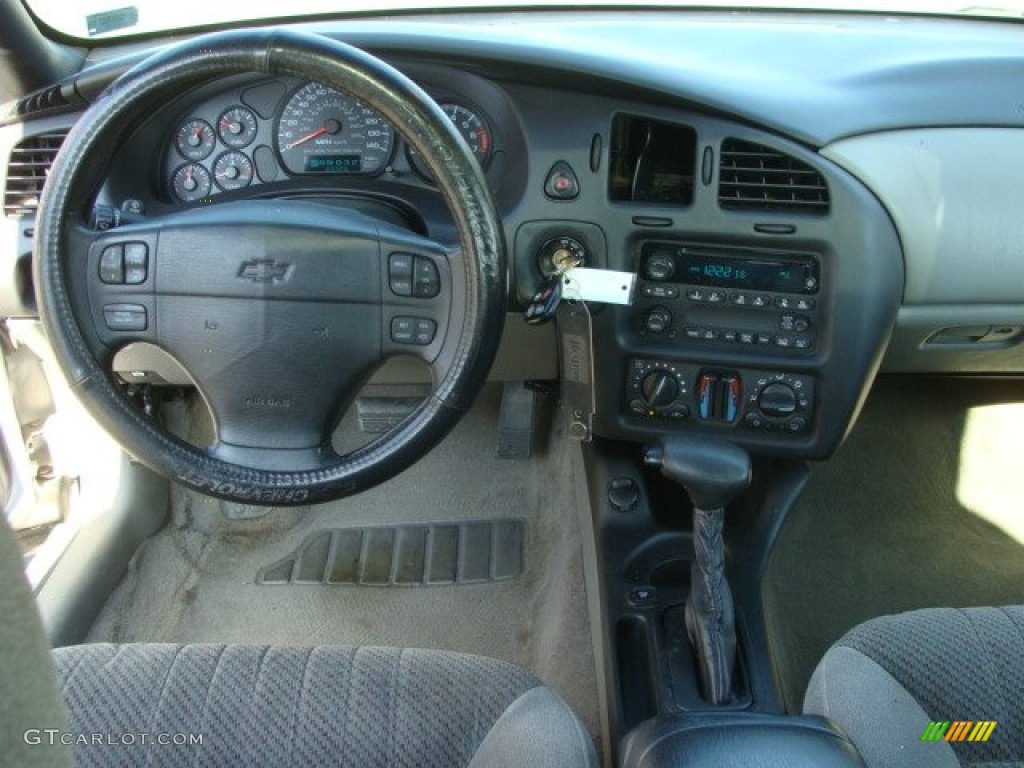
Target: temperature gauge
column 237, row 127
column 233, row 170
column 191, row 182
column 195, row 139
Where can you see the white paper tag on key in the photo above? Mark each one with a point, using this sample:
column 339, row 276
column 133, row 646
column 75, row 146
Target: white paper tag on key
column 598, row 285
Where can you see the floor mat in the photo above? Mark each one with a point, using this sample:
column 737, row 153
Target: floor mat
column 922, row 506
column 196, row 581
column 405, row 555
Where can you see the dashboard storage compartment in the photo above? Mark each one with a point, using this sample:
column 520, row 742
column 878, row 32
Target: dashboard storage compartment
column 738, row 741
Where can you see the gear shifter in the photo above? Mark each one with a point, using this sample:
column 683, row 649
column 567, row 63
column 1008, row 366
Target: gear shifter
column 713, row 472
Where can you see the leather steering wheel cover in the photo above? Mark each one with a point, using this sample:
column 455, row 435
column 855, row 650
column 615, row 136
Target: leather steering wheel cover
column 458, row 178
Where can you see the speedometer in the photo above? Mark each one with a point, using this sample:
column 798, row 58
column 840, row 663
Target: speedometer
column 325, row 131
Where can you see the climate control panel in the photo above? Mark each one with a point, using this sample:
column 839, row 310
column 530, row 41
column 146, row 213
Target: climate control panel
column 744, row 399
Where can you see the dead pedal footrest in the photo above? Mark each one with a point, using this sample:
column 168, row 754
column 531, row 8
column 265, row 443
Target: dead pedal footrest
column 405, row 555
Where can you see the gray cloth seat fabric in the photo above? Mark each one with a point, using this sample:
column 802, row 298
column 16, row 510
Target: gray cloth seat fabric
column 887, row 679
column 323, row 706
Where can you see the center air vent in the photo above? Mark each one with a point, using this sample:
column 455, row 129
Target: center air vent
column 753, row 177
column 27, row 170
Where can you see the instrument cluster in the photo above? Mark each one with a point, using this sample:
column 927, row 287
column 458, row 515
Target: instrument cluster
column 277, row 130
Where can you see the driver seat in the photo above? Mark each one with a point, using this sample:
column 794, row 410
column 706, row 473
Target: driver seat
column 265, row 706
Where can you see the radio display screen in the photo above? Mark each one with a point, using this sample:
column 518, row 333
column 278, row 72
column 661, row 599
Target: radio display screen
column 761, row 272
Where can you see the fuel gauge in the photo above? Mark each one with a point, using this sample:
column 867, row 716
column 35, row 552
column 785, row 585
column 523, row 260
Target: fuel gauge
column 191, row 182
column 233, row 170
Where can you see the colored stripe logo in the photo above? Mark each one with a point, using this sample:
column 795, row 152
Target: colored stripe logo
column 959, row 730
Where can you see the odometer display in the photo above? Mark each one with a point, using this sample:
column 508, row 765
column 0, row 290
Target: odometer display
column 333, row 164
column 324, row 131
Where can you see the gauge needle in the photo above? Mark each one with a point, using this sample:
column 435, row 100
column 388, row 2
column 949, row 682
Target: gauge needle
column 308, row 137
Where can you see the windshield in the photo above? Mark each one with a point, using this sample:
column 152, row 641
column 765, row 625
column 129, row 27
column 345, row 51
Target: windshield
column 115, row 18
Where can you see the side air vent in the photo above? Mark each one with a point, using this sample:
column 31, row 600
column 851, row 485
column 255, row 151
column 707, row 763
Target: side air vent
column 27, row 170
column 50, row 99
column 753, row 177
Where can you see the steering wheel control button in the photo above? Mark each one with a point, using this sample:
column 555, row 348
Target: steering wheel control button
column 561, row 183
column 426, row 329
column 136, row 258
column 426, row 280
column 125, row 317
column 413, row 330
column 112, row 265
column 400, row 273
column 403, row 330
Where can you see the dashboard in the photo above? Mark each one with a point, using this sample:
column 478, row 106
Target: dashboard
column 793, row 229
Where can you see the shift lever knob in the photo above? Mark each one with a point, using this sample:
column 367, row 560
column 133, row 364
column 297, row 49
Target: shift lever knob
column 712, row 471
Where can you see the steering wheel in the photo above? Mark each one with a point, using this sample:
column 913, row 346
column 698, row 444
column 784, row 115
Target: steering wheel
column 279, row 310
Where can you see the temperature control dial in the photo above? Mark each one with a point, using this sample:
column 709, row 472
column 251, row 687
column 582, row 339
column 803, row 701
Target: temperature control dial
column 659, row 388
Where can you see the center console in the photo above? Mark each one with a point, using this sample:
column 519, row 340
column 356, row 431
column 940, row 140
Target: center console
column 770, row 346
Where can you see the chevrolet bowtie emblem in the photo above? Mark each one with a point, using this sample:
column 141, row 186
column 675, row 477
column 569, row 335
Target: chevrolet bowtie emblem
column 265, row 271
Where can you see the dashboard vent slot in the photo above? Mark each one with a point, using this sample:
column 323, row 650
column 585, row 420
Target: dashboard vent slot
column 44, row 100
column 753, row 177
column 27, row 169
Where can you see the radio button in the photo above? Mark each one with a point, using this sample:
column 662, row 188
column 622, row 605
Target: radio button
column 760, row 301
column 801, row 324
column 692, row 333
column 658, row 320
column 709, row 334
column 660, row 291
column 783, row 341
column 716, row 297
column 764, row 338
column 805, row 305
column 802, row 342
column 746, row 338
column 740, row 299
column 730, row 336
column 786, row 323
column 784, row 302
column 660, row 266
column 695, row 294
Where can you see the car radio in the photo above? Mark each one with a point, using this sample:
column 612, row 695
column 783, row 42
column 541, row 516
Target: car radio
column 706, row 294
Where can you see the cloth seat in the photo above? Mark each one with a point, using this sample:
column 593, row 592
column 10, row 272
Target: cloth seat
column 887, row 680
column 323, row 706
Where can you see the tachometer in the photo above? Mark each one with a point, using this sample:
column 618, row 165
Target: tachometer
column 325, row 131
column 474, row 130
